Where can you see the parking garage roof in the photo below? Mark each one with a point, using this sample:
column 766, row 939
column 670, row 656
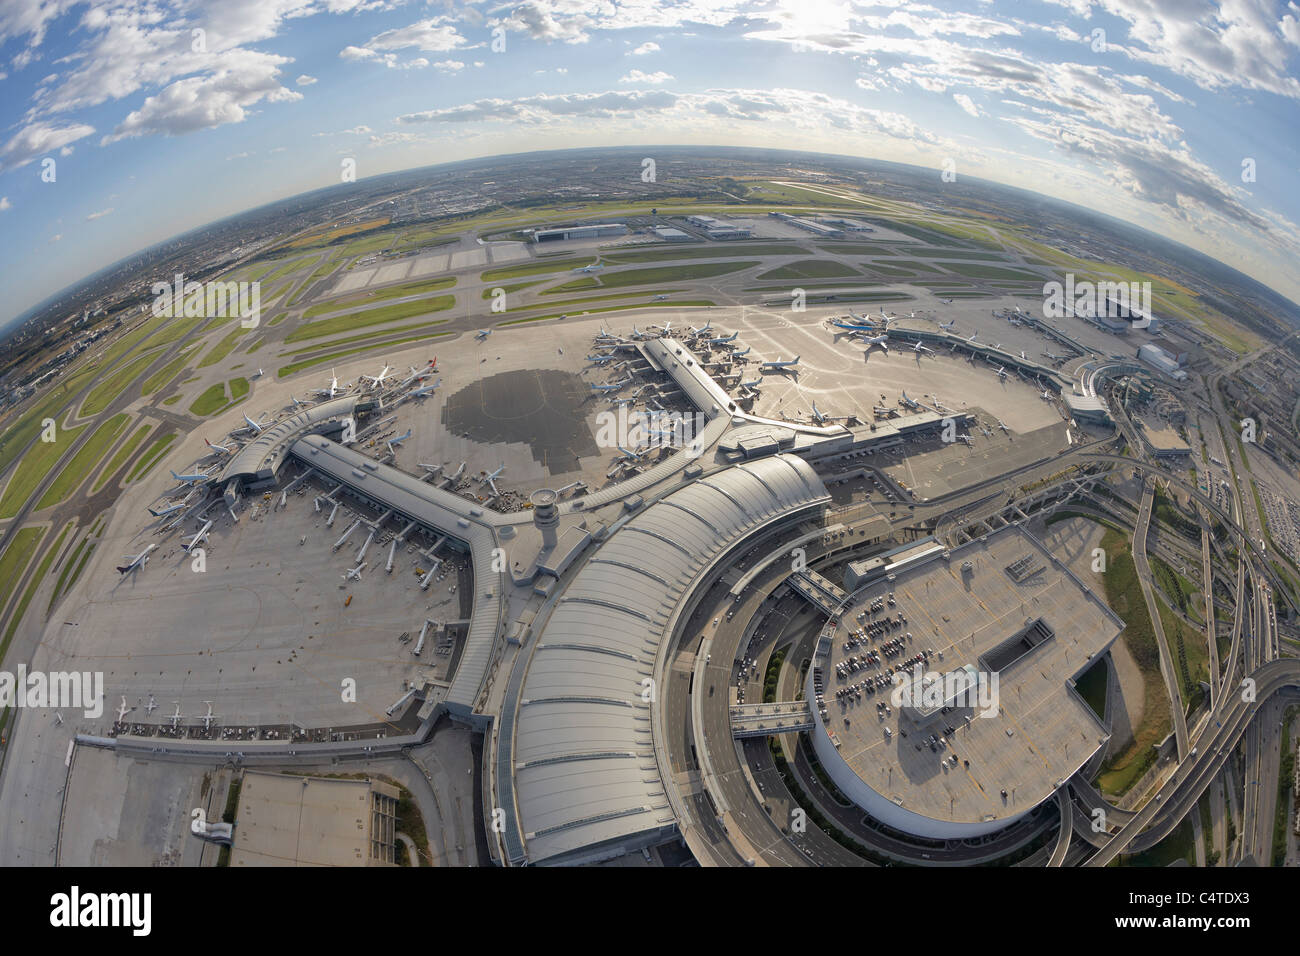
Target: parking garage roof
column 579, row 754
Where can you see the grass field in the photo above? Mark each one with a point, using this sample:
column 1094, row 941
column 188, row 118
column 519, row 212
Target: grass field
column 811, row 269
column 223, row 347
column 391, row 292
column 103, row 394
column 169, row 371
column 533, row 269
column 21, row 608
column 238, row 388
column 977, row 271
column 707, row 251
column 88, row 456
column 34, row 466
column 1124, row 595
column 151, row 456
column 698, row 270
column 212, row 398
column 123, row 453
column 611, row 308
column 369, row 317
column 516, row 286
column 22, row 545
column 363, row 337
column 332, row 356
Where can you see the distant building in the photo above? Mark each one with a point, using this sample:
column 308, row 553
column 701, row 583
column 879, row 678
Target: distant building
column 591, row 231
column 669, row 234
column 1160, row 360
column 851, row 225
column 808, row 225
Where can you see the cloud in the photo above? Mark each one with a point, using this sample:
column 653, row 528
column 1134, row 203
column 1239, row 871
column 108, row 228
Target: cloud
column 449, row 66
column 305, row 80
column 205, row 102
column 56, row 237
column 966, row 103
column 99, row 215
column 37, row 139
column 435, row 35
column 5, row 203
column 654, row 79
column 648, row 47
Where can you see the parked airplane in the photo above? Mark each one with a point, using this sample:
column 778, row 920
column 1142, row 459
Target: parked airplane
column 424, row 389
column 601, row 359
column 1002, row 372
column 1053, row 356
column 377, row 380
column 190, row 478
column 947, row 326
column 177, row 716
column 137, row 561
column 166, row 511
column 481, row 334
column 817, row 415
column 909, row 402
column 973, row 335
column 743, row 352
column 353, row 574
column 881, row 340
column 417, row 375
column 209, row 717
column 122, row 710
column 398, row 439
column 702, row 329
column 780, row 365
column 1023, row 355
column 752, row 384
column 491, row 479
column 1046, row 396
column 1003, row 426
column 254, row 427
column 723, row 339
column 332, row 389
column 918, row 348
column 225, row 448
column 198, row 539
column 612, row 386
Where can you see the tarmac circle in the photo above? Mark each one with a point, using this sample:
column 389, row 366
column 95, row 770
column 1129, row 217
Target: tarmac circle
column 541, row 408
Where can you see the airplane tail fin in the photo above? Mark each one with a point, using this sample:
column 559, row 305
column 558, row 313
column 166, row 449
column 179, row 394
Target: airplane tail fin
column 123, row 570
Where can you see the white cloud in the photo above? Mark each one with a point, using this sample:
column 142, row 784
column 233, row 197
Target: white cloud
column 37, row 139
column 966, row 103
column 99, row 215
column 56, row 237
column 435, row 35
column 305, row 80
column 449, row 66
column 5, row 203
column 654, row 79
column 648, row 47
column 203, row 102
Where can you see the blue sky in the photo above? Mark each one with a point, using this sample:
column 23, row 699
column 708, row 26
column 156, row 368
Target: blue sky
column 1141, row 109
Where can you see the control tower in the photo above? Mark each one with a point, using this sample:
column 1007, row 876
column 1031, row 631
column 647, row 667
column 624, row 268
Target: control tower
column 546, row 516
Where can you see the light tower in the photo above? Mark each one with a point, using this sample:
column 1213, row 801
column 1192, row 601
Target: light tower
column 546, row 517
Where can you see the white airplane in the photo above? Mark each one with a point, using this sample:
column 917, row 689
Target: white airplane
column 1003, row 426
column 123, row 710
column 170, row 509
column 723, row 339
column 742, row 352
column 660, row 298
column 967, row 439
column 666, row 329
column 190, row 478
column 481, row 334
column 1045, row 396
column 1052, row 356
column 909, row 402
column 752, row 384
column 417, row 375
column 353, row 574
column 397, row 440
column 946, row 326
column 946, row 301
column 151, row 706
column 224, row 448
column 612, row 386
column 779, row 364
column 257, row 374
column 817, row 415
column 973, row 335
column 594, row 267
column 177, row 716
column 1023, row 355
column 918, row 348
column 881, row 340
column 198, row 538
column 491, row 479
column 601, row 359
column 332, row 389
column 379, row 379
column 702, row 329
column 209, row 717
column 638, row 334
column 253, row 426
column 1002, row 372
column 425, row 389
column 296, row 403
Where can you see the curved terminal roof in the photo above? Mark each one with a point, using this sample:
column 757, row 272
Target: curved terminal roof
column 575, row 742
column 261, row 458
